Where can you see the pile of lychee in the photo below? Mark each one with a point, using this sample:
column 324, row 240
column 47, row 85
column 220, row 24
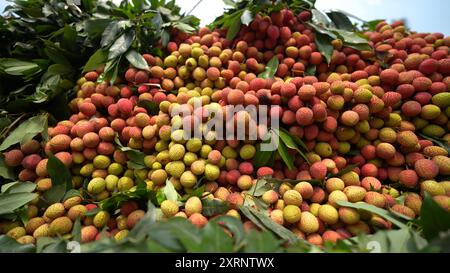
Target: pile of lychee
column 384, row 115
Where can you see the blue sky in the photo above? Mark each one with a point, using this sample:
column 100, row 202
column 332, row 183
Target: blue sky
column 422, row 16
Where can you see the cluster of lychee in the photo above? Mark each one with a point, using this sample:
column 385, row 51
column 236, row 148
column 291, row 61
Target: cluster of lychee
column 356, row 110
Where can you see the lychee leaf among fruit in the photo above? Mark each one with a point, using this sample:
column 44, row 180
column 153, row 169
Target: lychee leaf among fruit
column 341, row 20
column 26, row 131
column 213, row 207
column 440, row 142
column 71, row 193
column 5, row 171
column 136, row 60
column 271, row 69
column 262, row 158
column 61, row 180
column 170, row 192
column 266, row 223
column 151, row 106
column 324, row 46
column 291, row 141
column 15, row 187
column 345, row 170
column 378, row 211
column 51, row 245
column 285, row 155
column 9, row 245
column 97, row 59
column 76, row 230
column 262, row 242
column 235, row 227
column 259, row 188
column 9, row 202
column 433, row 218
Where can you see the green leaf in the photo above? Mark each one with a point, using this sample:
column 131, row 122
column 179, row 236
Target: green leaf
column 378, row 211
column 26, row 131
column 9, row 202
column 110, row 33
column 71, row 193
column 324, row 46
column 261, row 158
column 262, row 242
column 9, row 245
column 121, row 45
column 233, row 28
column 213, row 240
column 151, row 106
column 92, row 212
column 137, row 60
column 433, row 218
column 61, row 180
column 235, row 226
column 259, row 188
column 246, row 17
column 76, row 230
column 170, row 192
column 271, row 69
column 17, row 67
column 213, row 207
column 341, row 20
column 269, row 224
column 5, row 171
column 97, row 59
column 288, row 159
column 372, row 25
column 135, row 157
column 345, row 170
column 51, row 245
column 311, row 70
column 16, row 187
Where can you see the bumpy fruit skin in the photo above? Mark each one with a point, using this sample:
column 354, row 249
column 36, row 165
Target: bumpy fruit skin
column 443, row 164
column 169, row 208
column 270, row 197
column 193, row 205
column 291, row 214
column 308, row 223
column 355, row 193
column 431, row 187
column 198, row 220
column 61, row 225
column 414, row 202
column 55, row 210
column 16, row 232
column 101, row 219
column 328, row 214
column 42, row 231
column 349, row 216
column 292, row 197
column 134, row 217
column 88, row 234
column 404, row 210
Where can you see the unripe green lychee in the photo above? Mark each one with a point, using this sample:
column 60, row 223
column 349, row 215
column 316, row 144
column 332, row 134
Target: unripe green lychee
column 189, row 158
column 430, row 112
column 328, row 214
column 122, row 234
column 193, row 205
column 101, row 162
column 194, row 145
column 175, row 168
column 96, row 185
column 247, row 151
column 407, row 139
column 291, row 214
column 55, row 210
column 61, row 226
column 212, row 172
column 101, row 219
column 443, row 163
column 176, row 152
column 169, row 208
column 292, row 197
column 323, row 149
column 111, row 182
column 308, row 223
column 431, row 187
column 351, row 179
